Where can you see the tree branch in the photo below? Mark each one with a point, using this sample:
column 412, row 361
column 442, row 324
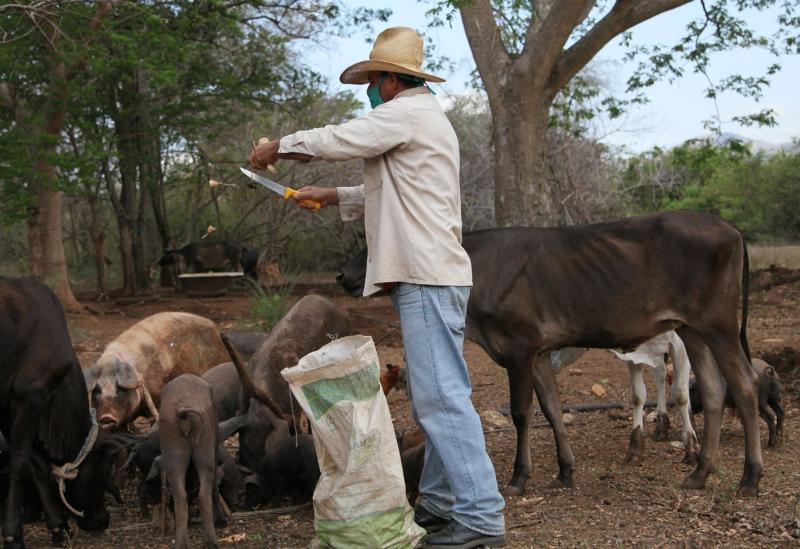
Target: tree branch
column 543, row 46
column 483, row 34
column 624, row 15
column 103, row 9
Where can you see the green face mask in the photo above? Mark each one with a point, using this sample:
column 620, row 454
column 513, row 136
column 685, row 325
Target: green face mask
column 374, row 92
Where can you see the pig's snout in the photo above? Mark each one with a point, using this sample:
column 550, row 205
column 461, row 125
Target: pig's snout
column 107, row 421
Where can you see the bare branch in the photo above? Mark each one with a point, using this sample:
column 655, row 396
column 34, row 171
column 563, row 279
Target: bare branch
column 624, row 15
column 486, row 43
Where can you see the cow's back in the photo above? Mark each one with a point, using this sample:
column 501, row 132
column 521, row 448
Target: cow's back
column 165, row 345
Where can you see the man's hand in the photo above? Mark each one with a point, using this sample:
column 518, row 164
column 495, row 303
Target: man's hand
column 265, row 153
column 323, row 195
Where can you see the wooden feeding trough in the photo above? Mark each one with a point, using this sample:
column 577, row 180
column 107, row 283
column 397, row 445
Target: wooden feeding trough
column 207, row 284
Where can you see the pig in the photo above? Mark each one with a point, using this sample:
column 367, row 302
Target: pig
column 311, row 323
column 412, row 457
column 769, row 394
column 127, row 379
column 247, row 343
column 289, row 467
column 189, row 435
column 227, row 389
column 146, row 456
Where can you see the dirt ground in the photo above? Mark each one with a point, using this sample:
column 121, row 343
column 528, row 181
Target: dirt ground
column 611, row 503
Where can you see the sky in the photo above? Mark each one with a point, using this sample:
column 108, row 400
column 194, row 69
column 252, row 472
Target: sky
column 675, row 111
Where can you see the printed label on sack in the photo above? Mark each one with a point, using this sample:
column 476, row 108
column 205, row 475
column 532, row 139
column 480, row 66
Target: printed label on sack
column 358, row 386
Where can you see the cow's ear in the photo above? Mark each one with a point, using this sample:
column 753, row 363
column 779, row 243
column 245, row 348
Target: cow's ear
column 127, row 376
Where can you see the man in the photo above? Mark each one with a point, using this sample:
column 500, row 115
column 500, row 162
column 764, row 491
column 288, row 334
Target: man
column 410, row 200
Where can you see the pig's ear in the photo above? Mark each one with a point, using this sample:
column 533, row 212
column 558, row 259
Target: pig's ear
column 90, row 376
column 127, row 376
column 155, row 470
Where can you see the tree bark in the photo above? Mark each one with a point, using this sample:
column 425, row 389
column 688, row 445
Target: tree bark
column 522, row 86
column 48, row 261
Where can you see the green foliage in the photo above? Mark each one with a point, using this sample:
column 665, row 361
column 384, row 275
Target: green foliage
column 758, row 193
column 268, row 307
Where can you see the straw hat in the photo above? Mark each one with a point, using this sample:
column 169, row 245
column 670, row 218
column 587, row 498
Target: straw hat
column 397, row 49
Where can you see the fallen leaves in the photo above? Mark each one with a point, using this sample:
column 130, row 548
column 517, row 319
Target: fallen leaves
column 234, row 538
column 599, row 390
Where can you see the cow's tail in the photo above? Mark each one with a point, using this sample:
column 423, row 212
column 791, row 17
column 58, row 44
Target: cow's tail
column 745, row 296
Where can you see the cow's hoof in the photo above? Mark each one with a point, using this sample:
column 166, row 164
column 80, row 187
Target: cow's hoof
column 512, row 490
column 560, row 483
column 694, row 481
column 662, row 427
column 691, row 456
column 60, row 537
column 635, row 446
column 748, row 491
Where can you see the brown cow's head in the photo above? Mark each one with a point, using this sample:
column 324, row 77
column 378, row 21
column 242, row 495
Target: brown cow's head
column 115, row 389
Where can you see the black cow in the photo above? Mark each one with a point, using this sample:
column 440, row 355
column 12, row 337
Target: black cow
column 200, row 257
column 44, row 413
column 611, row 285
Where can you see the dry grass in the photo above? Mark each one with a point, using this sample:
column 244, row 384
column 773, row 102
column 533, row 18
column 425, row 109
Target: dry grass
column 762, row 257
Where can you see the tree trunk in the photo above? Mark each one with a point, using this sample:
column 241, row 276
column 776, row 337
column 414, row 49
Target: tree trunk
column 48, row 261
column 523, row 185
column 97, row 233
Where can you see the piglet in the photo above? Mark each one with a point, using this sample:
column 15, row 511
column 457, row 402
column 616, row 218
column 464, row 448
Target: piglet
column 289, row 467
column 188, row 427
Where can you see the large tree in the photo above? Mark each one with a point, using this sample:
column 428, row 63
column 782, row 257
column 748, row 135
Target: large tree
column 528, row 51
column 41, row 58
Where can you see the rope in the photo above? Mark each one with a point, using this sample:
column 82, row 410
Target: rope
column 294, row 419
column 69, row 471
column 149, row 402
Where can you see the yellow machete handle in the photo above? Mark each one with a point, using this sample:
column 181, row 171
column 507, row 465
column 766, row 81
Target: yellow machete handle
column 289, row 193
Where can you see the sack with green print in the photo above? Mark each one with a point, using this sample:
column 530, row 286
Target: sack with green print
column 360, row 499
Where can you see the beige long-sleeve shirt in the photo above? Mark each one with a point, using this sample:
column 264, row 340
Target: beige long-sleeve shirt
column 410, row 198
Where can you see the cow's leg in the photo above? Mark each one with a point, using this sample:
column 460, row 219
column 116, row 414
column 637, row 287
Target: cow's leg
column 520, row 384
column 206, row 467
column 638, row 399
column 544, row 382
column 680, row 394
column 20, row 443
column 742, row 384
column 712, row 391
column 58, row 527
column 662, row 415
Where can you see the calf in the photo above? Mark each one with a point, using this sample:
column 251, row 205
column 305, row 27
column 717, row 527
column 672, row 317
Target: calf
column 45, row 416
column 612, row 285
column 769, row 394
column 127, row 379
column 189, row 436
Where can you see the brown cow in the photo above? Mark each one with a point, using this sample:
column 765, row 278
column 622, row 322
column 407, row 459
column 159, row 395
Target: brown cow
column 612, row 285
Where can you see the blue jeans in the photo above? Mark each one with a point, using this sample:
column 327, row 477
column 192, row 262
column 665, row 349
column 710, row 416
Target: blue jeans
column 458, row 479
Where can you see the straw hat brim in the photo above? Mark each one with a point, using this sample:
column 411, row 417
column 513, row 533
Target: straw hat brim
column 358, row 72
